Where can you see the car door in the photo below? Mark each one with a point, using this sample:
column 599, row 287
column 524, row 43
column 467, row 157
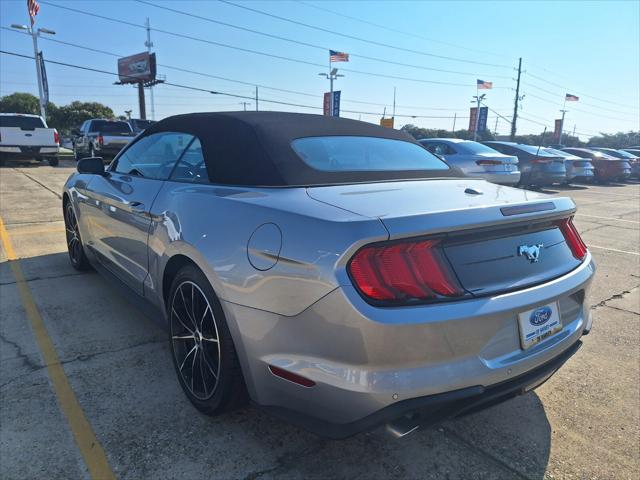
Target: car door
column 121, row 203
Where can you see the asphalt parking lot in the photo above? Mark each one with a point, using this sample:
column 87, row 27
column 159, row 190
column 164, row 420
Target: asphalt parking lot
column 59, row 327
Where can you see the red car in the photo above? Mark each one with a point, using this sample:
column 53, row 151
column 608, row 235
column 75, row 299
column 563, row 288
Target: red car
column 607, row 167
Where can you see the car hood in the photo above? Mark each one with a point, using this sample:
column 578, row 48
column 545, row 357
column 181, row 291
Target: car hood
column 429, row 206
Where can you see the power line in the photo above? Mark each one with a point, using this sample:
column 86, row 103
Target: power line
column 578, row 92
column 258, row 52
column 311, row 45
column 396, row 30
column 360, row 39
column 184, row 70
column 215, row 92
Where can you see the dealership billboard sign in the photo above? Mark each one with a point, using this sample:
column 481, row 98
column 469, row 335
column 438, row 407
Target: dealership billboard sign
column 137, row 68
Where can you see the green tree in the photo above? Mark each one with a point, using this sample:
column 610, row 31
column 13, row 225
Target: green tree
column 419, row 133
column 615, row 140
column 67, row 117
column 19, row 102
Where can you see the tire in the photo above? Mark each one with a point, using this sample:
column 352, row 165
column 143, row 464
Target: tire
column 212, row 387
column 53, row 161
column 75, row 249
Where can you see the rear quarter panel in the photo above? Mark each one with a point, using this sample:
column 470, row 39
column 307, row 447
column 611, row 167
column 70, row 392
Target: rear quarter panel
column 212, row 226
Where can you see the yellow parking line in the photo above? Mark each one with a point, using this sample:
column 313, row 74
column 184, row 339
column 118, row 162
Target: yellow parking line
column 91, row 450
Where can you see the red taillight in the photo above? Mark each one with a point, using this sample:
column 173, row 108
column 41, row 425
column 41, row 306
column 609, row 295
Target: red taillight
column 100, row 139
column 572, row 237
column 541, row 160
column 56, row 137
column 488, row 162
column 403, row 271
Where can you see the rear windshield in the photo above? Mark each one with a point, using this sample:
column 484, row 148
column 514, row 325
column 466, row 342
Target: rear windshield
column 142, row 124
column 534, row 150
column 105, row 126
column 364, row 154
column 25, row 123
column 619, row 154
column 475, row 147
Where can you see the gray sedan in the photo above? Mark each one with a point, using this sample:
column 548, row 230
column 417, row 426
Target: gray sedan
column 333, row 272
column 476, row 159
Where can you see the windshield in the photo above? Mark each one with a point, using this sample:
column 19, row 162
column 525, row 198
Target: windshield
column 142, row 124
column 475, row 147
column 364, row 154
column 25, row 123
column 106, row 126
column 560, row 153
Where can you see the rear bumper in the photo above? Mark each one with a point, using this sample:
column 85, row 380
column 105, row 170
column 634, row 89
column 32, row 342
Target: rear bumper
column 408, row 415
column 23, row 152
column 365, row 360
column 580, row 173
column 541, row 177
column 108, row 151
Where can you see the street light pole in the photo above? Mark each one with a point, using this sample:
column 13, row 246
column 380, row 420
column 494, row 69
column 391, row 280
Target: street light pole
column 149, row 44
column 332, row 75
column 34, row 35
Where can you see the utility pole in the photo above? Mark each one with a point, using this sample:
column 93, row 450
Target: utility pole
column 455, row 116
column 149, row 44
column 34, row 35
column 256, row 98
column 495, row 129
column 244, row 104
column 515, row 103
column 574, row 130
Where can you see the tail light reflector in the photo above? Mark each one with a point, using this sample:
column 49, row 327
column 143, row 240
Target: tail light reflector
column 403, row 271
column 292, row 377
column 572, row 237
column 541, row 160
column 488, row 162
column 56, row 137
column 100, row 139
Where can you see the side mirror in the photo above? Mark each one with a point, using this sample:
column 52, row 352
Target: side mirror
column 91, row 165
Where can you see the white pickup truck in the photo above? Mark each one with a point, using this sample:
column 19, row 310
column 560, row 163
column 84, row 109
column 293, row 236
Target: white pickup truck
column 25, row 136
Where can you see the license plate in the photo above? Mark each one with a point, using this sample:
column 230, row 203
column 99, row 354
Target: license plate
column 538, row 324
column 510, row 167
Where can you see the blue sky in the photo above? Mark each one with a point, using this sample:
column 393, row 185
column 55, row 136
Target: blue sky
column 590, row 49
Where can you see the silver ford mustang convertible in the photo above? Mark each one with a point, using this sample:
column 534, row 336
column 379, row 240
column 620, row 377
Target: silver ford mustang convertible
column 332, row 272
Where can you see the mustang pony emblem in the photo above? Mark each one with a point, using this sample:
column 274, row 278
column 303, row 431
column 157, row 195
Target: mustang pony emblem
column 531, row 252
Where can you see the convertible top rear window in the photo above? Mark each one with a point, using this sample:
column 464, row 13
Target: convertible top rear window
column 353, row 154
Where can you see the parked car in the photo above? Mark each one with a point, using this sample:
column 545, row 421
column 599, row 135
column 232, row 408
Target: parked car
column 331, row 268
column 632, row 158
column 26, row 137
column 537, row 167
column 103, row 138
column 476, row 159
column 607, row 168
column 138, row 125
column 578, row 169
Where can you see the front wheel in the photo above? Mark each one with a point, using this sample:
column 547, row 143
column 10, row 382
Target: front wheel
column 78, row 259
column 202, row 349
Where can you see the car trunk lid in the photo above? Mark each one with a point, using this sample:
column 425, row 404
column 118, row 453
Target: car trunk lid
column 495, row 238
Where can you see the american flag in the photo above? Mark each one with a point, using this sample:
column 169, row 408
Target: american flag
column 33, row 7
column 338, row 56
column 571, row 98
column 482, row 85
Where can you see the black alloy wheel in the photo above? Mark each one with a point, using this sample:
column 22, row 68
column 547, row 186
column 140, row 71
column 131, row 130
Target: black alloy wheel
column 74, row 243
column 202, row 348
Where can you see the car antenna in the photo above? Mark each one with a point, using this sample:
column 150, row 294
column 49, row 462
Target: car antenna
column 541, row 141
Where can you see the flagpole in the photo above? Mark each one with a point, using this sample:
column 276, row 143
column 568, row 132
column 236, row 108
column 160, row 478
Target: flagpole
column 34, row 35
column 475, row 130
column 330, row 88
column 564, row 104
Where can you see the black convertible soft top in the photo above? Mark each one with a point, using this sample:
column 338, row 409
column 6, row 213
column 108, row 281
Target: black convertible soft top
column 254, row 148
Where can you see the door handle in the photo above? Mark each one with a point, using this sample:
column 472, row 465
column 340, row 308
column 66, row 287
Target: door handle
column 137, row 207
